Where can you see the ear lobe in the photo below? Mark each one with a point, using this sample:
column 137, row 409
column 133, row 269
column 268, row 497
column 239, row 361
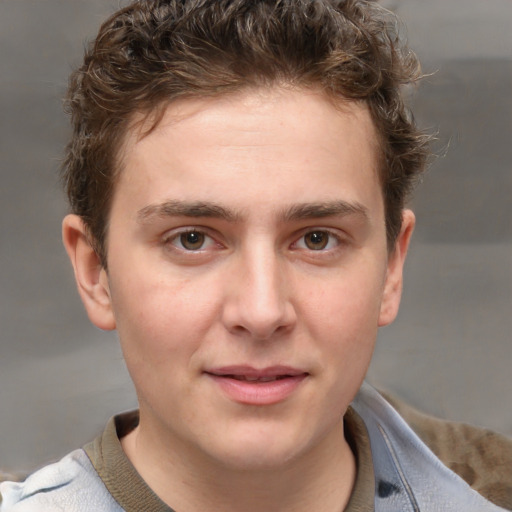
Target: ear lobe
column 394, row 275
column 91, row 277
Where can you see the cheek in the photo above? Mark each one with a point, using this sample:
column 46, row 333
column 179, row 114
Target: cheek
column 342, row 316
column 346, row 304
column 158, row 339
column 160, row 321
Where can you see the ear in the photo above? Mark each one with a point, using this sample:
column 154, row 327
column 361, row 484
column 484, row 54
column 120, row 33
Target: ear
column 394, row 275
column 91, row 277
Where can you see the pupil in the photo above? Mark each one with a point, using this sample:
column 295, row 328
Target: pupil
column 316, row 240
column 192, row 240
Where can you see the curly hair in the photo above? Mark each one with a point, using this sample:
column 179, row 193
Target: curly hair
column 153, row 52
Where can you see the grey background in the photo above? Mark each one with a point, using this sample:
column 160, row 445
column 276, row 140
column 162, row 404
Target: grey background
column 448, row 353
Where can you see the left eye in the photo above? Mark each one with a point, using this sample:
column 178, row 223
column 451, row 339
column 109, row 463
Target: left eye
column 317, row 240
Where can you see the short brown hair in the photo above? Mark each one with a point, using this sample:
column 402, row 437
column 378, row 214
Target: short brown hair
column 153, row 52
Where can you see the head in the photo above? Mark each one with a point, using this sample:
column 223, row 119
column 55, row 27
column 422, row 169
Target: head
column 242, row 167
column 153, row 53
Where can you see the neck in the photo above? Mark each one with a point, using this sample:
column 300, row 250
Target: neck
column 321, row 479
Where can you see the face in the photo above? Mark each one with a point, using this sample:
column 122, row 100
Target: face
column 248, row 272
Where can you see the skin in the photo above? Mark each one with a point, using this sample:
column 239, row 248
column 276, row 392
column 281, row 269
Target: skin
column 290, row 267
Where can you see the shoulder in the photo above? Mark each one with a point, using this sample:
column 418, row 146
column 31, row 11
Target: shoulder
column 71, row 484
column 412, row 476
column 479, row 456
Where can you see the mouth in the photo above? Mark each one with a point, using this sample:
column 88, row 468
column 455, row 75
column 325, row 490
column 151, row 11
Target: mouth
column 250, row 374
column 251, row 386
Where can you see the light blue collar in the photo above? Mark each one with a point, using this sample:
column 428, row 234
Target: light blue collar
column 408, row 476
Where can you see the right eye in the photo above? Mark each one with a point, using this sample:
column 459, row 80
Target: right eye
column 190, row 240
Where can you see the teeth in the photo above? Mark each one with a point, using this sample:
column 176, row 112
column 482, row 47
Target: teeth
column 255, row 379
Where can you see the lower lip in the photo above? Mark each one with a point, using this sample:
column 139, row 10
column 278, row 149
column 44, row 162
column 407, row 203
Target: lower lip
column 258, row 393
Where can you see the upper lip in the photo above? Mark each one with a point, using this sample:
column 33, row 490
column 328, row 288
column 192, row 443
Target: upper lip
column 249, row 371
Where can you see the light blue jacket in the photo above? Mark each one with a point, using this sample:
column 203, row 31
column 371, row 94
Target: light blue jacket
column 408, row 476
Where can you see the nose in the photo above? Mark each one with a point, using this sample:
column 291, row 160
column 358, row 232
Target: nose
column 258, row 296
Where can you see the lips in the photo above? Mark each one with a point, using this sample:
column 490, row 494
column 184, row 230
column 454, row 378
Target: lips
column 247, row 385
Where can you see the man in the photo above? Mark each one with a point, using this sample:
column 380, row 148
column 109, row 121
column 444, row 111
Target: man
column 237, row 174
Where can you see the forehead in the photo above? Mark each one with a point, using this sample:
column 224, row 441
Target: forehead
column 253, row 106
column 265, row 140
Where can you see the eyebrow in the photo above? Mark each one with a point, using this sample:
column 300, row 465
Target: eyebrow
column 186, row 209
column 324, row 209
column 301, row 211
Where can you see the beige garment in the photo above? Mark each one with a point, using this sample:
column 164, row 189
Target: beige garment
column 482, row 458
